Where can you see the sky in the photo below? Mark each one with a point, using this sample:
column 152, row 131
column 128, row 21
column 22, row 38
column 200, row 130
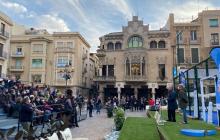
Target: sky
column 95, row 18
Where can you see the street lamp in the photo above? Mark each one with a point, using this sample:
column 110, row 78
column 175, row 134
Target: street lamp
column 175, row 69
column 178, row 46
column 67, row 74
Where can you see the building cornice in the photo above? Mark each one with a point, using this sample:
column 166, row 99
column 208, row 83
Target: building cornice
column 71, row 34
column 6, row 19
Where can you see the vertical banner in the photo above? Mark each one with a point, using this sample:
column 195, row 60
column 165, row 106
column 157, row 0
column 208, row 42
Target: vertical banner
column 218, row 89
column 215, row 54
column 195, row 107
column 182, row 78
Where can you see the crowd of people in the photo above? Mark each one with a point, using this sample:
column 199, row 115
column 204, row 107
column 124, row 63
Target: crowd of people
column 129, row 102
column 34, row 105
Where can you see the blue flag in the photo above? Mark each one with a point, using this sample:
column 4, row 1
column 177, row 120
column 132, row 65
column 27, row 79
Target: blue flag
column 215, row 54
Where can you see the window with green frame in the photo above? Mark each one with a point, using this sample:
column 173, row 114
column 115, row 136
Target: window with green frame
column 135, row 41
column 37, row 63
column 213, row 22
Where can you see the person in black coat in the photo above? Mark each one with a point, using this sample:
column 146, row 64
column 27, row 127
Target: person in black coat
column 172, row 104
column 90, row 107
column 26, row 114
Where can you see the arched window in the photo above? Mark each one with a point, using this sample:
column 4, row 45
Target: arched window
column 127, row 67
column 118, row 46
column 135, row 41
column 161, row 44
column 110, row 46
column 153, row 44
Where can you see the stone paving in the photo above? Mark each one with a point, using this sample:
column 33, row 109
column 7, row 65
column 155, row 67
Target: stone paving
column 96, row 127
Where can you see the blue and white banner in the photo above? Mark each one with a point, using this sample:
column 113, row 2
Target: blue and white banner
column 215, row 54
column 182, row 78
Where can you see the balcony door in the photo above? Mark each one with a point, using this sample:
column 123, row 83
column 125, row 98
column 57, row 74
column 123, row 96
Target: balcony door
column 1, row 50
column 0, row 70
column 18, row 63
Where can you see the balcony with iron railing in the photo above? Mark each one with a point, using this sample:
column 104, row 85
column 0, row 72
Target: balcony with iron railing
column 3, row 55
column 183, row 41
column 64, row 50
column 101, row 53
column 214, row 42
column 135, row 78
column 104, row 79
column 17, row 68
column 188, row 62
column 195, row 41
column 17, row 54
column 4, row 34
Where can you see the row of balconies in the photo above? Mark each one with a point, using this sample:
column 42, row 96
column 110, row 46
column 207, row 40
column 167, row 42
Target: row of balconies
column 189, row 41
column 188, row 60
column 64, row 50
column 137, row 78
column 57, row 50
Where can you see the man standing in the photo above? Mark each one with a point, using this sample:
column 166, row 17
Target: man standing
column 172, row 105
column 183, row 101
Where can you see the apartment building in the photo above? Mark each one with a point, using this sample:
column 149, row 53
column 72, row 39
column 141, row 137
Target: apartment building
column 60, row 60
column 5, row 32
column 141, row 62
column 93, row 72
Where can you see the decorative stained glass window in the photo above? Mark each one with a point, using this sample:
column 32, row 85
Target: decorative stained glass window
column 135, row 41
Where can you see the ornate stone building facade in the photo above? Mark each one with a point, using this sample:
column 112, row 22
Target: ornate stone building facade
column 133, row 61
column 141, row 62
column 40, row 58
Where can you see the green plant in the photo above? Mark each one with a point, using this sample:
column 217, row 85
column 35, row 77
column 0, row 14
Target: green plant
column 109, row 111
column 119, row 118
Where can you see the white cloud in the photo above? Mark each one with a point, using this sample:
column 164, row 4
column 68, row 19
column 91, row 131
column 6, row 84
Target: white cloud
column 123, row 7
column 182, row 12
column 18, row 8
column 52, row 23
column 91, row 26
column 76, row 6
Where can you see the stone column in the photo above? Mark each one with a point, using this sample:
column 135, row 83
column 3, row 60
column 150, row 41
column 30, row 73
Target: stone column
column 107, row 70
column 130, row 67
column 141, row 67
column 119, row 94
column 136, row 92
column 100, row 71
column 101, row 93
column 153, row 93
